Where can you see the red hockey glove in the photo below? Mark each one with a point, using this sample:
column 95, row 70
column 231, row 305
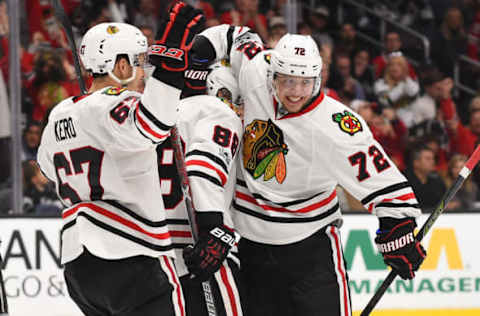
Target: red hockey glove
column 169, row 54
column 399, row 247
column 206, row 256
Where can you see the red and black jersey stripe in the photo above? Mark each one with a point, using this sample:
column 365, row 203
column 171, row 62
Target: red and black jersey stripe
column 148, row 125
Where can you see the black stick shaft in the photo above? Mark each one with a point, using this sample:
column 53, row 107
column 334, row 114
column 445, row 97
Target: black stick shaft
column 3, row 294
column 67, row 26
column 447, row 197
column 182, row 172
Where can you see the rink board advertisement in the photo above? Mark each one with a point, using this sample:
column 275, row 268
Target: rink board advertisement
column 448, row 279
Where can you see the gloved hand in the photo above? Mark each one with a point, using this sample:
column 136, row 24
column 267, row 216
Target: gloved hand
column 169, row 54
column 214, row 242
column 399, row 247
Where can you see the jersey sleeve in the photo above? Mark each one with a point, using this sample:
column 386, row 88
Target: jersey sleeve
column 210, row 159
column 238, row 44
column 143, row 120
column 363, row 168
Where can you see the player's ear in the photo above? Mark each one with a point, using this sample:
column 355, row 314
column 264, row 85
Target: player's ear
column 122, row 68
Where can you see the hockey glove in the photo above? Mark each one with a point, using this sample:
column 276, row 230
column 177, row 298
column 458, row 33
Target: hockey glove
column 206, row 256
column 169, row 54
column 399, row 247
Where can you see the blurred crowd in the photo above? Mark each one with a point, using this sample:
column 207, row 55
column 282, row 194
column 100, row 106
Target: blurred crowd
column 427, row 126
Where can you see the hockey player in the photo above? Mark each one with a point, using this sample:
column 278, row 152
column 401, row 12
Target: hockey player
column 210, row 131
column 298, row 144
column 99, row 149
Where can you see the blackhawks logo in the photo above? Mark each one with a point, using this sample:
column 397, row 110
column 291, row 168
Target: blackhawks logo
column 264, row 151
column 114, row 91
column 347, row 122
column 112, row 29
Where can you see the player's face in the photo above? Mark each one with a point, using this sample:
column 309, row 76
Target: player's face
column 294, row 92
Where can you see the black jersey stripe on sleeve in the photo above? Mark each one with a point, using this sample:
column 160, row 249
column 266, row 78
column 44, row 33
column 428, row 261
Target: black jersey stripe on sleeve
column 143, row 134
column 389, row 189
column 230, row 31
column 284, row 204
column 196, row 173
column 277, row 219
column 117, row 232
column 210, row 156
column 153, row 119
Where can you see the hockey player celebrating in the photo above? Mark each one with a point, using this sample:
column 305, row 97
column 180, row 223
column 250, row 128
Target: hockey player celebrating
column 298, row 144
column 210, row 131
column 99, row 149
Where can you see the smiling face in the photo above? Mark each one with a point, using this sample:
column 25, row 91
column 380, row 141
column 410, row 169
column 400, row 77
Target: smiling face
column 294, row 92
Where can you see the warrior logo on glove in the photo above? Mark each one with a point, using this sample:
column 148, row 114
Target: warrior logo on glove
column 399, row 247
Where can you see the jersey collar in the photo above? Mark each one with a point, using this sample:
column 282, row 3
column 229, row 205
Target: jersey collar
column 309, row 108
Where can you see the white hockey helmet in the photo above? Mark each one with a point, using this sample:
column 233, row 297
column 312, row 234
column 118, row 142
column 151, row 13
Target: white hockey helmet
column 105, row 41
column 296, row 55
column 221, row 77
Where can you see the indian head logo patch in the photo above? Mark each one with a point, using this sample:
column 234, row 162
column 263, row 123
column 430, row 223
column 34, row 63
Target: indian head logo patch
column 264, row 151
column 347, row 122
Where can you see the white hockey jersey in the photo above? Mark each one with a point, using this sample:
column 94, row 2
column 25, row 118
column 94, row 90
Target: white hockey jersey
column 211, row 134
column 291, row 163
column 99, row 149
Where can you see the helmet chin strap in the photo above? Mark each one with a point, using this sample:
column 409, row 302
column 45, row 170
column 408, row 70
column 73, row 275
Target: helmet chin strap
column 123, row 82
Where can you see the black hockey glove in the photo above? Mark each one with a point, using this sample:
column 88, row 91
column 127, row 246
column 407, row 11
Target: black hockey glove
column 174, row 38
column 195, row 79
column 399, row 247
column 206, row 256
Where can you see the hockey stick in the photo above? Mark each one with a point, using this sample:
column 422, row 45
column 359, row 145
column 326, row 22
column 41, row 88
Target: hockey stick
column 3, row 294
column 67, row 26
column 466, row 170
column 182, row 172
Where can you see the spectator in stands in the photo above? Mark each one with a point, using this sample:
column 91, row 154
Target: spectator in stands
column 246, row 13
column 50, row 84
column 466, row 196
column 31, row 140
column 363, row 72
column 463, row 139
column 348, row 41
column 318, row 20
column 277, row 28
column 436, row 102
column 146, row 14
column 352, row 89
column 39, row 193
column 427, row 184
column 474, row 104
column 326, row 53
column 147, row 30
column 396, row 89
column 449, row 41
column 392, row 43
column 474, row 36
column 304, row 28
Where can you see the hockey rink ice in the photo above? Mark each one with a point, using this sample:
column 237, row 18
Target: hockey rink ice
column 447, row 284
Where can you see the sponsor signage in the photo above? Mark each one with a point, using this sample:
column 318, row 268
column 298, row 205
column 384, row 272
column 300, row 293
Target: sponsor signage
column 448, row 279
